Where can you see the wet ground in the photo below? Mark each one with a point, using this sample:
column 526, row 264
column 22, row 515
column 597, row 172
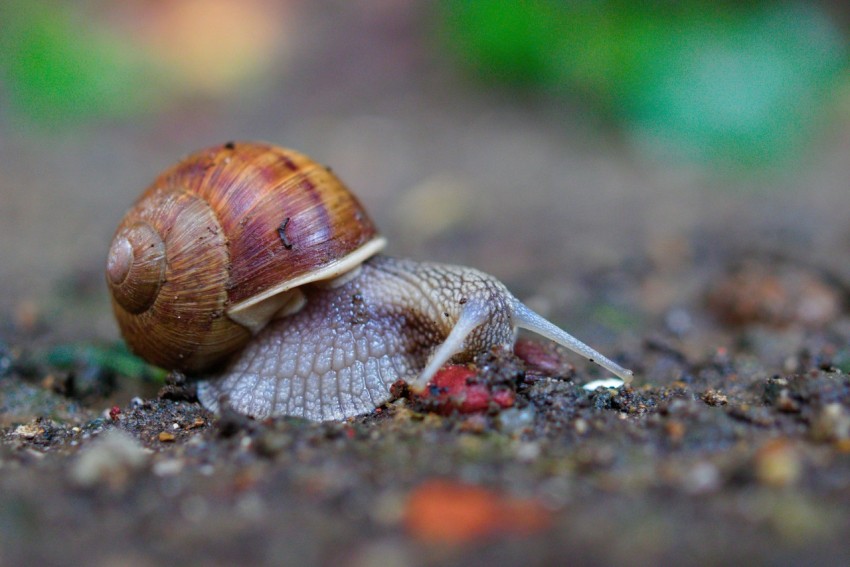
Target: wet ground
column 726, row 295
column 735, row 454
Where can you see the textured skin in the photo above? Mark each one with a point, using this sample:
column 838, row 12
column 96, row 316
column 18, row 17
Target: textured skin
column 339, row 356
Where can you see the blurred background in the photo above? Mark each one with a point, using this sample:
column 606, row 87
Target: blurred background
column 596, row 155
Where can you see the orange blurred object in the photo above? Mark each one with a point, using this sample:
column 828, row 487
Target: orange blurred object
column 443, row 511
column 212, row 46
column 777, row 296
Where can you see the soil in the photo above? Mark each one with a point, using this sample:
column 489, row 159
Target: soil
column 727, row 296
column 715, row 459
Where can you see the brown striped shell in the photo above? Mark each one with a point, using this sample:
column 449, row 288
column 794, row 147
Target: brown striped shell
column 218, row 245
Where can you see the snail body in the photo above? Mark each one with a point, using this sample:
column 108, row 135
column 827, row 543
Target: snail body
column 324, row 325
column 339, row 355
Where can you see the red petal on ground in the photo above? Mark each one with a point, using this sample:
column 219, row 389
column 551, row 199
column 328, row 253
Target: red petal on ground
column 505, row 398
column 541, row 357
column 454, row 388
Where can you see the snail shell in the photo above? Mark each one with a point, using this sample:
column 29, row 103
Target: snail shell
column 220, row 243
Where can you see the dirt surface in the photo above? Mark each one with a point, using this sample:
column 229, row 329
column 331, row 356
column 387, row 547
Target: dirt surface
column 705, row 459
column 726, row 295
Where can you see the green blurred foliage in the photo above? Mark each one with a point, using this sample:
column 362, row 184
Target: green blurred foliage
column 115, row 359
column 743, row 83
column 58, row 68
column 504, row 42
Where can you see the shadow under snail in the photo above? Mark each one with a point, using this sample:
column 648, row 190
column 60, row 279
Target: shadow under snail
column 255, row 267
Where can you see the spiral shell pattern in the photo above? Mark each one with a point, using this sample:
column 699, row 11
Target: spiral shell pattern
column 224, row 227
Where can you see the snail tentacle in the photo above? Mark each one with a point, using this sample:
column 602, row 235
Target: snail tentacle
column 524, row 318
column 472, row 316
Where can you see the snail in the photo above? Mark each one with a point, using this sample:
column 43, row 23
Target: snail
column 256, row 268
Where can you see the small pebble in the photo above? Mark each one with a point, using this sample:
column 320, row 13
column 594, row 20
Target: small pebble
column 514, row 420
column 612, row 383
column 166, row 437
column 675, row 430
column 527, row 452
column 830, row 423
column 581, row 426
column 167, row 467
column 778, row 463
column 679, row 321
column 28, row 431
column 714, row 398
column 110, row 459
column 703, row 477
column 271, row 443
